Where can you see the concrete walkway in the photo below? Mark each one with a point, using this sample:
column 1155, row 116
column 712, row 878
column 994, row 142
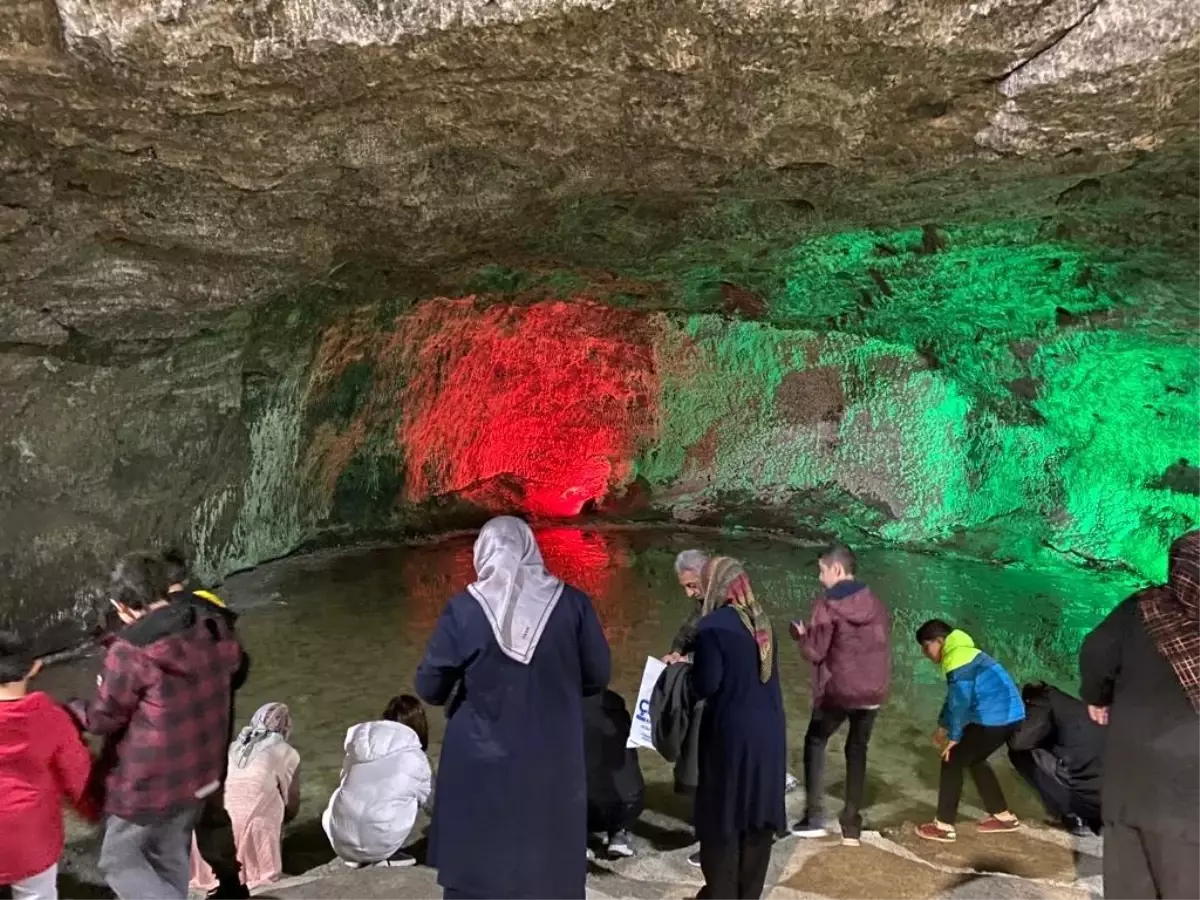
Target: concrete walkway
column 1035, row 862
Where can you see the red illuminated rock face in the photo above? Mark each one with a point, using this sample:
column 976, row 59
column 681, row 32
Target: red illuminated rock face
column 536, row 408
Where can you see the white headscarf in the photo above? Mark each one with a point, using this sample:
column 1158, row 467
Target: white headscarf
column 513, row 587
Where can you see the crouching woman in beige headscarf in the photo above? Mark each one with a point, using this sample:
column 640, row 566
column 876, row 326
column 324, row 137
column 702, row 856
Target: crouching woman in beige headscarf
column 523, row 649
column 262, row 792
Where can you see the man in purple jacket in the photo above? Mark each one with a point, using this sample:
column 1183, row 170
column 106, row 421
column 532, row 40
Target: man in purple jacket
column 848, row 641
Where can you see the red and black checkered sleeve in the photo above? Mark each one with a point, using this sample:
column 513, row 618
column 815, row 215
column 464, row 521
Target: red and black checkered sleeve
column 121, row 682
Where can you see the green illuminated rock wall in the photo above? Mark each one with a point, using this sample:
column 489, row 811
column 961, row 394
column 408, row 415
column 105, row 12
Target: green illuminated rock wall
column 1004, row 392
column 985, row 389
column 982, row 387
column 988, row 389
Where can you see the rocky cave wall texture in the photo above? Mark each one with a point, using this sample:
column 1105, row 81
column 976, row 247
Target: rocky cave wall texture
column 927, row 387
column 967, row 388
column 287, row 273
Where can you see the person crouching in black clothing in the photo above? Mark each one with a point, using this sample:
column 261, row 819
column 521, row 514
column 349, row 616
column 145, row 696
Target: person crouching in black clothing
column 1059, row 751
column 616, row 793
column 214, row 830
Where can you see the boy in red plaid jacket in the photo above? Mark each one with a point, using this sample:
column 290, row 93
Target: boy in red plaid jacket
column 163, row 700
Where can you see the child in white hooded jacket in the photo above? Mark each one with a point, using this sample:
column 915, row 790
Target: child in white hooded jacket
column 385, row 780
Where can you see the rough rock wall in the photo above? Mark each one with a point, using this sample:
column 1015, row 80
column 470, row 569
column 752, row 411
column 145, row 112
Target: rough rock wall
column 165, row 161
column 1013, row 435
column 107, row 448
column 971, row 387
column 166, row 166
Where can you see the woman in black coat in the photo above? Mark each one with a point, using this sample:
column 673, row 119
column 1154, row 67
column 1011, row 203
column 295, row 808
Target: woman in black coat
column 743, row 740
column 1140, row 672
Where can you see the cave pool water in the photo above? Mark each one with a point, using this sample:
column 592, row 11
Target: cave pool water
column 334, row 634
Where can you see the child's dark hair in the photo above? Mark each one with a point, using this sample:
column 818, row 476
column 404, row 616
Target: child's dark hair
column 176, row 563
column 1034, row 690
column 15, row 659
column 407, row 710
column 841, row 555
column 932, row 630
column 140, row 579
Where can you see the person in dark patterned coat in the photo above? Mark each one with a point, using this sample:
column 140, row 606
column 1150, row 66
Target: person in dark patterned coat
column 163, row 701
column 1140, row 676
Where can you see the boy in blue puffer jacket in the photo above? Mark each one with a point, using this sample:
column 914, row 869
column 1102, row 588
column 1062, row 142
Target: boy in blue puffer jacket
column 983, row 707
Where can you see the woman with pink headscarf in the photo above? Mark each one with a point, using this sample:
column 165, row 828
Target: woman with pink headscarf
column 262, row 792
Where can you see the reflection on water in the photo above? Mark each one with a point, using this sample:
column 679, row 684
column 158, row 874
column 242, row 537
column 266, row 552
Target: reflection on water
column 335, row 635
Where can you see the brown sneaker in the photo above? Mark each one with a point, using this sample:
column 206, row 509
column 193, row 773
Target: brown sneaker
column 992, row 825
column 932, row 831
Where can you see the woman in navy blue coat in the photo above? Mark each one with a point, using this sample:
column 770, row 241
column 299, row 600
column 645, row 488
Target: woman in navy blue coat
column 743, row 738
column 518, row 650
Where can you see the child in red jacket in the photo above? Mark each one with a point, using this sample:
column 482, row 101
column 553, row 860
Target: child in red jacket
column 43, row 761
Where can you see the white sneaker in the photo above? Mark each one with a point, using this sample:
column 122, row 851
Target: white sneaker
column 694, row 859
column 851, row 842
column 790, row 783
column 620, row 845
column 807, row 829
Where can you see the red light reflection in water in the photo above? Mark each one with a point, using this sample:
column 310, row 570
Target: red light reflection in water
column 596, row 562
column 536, row 408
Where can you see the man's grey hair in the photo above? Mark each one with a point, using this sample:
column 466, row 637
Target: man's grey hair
column 691, row 561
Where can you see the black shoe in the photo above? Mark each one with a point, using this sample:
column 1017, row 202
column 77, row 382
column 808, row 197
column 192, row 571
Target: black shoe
column 227, row 890
column 1075, row 826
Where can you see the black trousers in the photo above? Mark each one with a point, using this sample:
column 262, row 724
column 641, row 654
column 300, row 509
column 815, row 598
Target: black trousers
column 971, row 754
column 1140, row 865
column 736, row 869
column 215, row 844
column 1039, row 768
column 614, row 818
column 825, row 722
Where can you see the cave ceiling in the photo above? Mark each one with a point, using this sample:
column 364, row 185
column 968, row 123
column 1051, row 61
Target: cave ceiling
column 163, row 162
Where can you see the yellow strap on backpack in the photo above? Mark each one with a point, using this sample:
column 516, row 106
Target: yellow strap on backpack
column 210, row 597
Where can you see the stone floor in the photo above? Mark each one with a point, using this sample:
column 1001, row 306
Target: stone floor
column 1036, row 862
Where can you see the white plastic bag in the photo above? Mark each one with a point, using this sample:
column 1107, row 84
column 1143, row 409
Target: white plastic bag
column 641, row 729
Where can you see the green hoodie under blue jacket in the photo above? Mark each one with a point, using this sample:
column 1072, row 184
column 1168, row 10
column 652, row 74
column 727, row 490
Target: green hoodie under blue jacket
column 978, row 689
